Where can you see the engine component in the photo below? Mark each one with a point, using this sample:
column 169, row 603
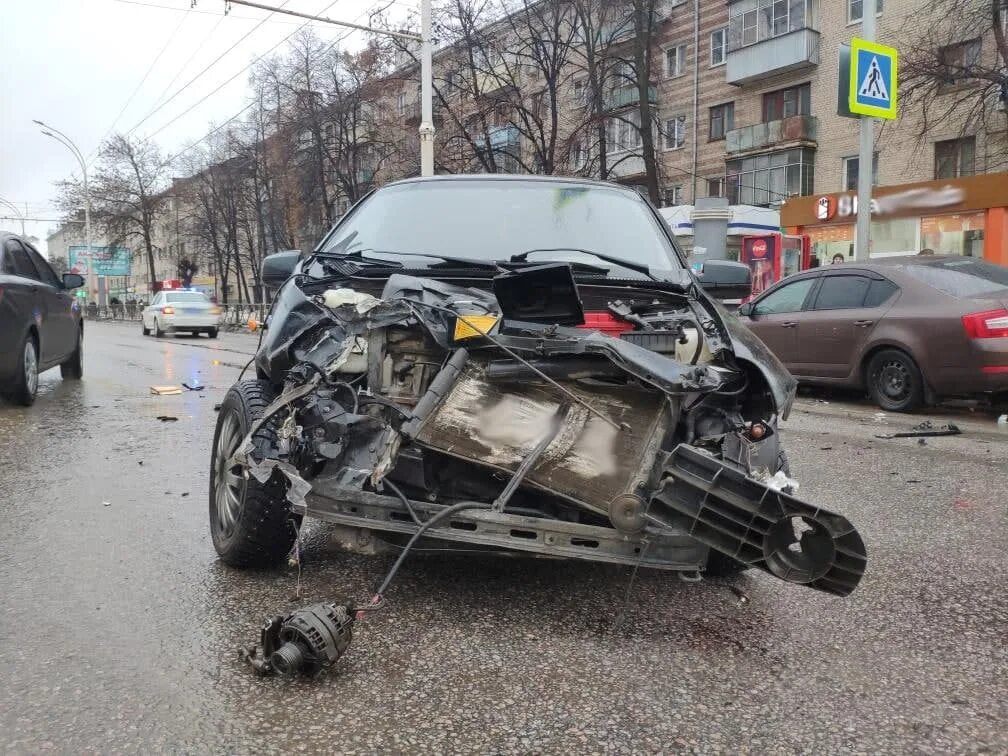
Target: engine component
column 626, row 513
column 307, row 641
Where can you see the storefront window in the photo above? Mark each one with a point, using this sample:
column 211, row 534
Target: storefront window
column 828, row 241
column 961, row 234
column 896, row 236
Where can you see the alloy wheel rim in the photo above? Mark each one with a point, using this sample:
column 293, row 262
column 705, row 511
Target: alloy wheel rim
column 229, row 486
column 31, row 367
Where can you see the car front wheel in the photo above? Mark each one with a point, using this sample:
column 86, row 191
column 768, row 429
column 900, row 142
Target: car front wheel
column 26, row 383
column 251, row 523
column 158, row 333
column 894, row 381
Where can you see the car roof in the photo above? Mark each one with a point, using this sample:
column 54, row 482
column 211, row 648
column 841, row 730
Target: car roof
column 513, row 178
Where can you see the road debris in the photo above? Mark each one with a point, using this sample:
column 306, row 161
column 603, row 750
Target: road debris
column 165, row 390
column 194, row 385
column 307, row 641
column 925, row 429
column 167, row 418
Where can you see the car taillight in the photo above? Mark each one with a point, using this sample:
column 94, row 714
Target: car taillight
column 605, row 322
column 215, row 310
column 167, row 310
column 992, row 324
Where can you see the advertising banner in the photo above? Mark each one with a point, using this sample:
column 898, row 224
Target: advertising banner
column 108, row 261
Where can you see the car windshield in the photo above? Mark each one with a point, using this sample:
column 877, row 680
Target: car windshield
column 494, row 220
column 186, row 296
column 963, row 277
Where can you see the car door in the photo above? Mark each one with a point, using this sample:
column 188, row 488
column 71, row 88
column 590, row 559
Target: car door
column 846, row 308
column 59, row 308
column 776, row 318
column 29, row 302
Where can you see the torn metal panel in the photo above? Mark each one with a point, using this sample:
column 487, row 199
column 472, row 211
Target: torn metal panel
column 588, row 461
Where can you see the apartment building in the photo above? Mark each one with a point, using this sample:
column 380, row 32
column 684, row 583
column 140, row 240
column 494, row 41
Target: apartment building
column 744, row 99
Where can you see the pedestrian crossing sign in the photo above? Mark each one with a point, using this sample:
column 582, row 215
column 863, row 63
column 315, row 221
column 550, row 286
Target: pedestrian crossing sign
column 873, row 79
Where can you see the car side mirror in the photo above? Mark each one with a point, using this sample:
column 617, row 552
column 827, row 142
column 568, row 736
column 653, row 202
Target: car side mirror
column 279, row 266
column 72, row 280
column 747, row 310
column 725, row 279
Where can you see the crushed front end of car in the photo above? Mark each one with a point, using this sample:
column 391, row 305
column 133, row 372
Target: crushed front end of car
column 493, row 420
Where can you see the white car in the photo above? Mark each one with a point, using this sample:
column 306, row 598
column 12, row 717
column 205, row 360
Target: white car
column 174, row 311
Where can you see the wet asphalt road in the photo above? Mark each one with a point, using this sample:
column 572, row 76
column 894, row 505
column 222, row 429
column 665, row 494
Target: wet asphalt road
column 119, row 628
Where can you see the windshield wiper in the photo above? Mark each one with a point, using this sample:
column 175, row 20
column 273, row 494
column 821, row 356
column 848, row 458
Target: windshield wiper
column 629, row 265
column 361, row 254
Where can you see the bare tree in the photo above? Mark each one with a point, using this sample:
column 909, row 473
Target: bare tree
column 126, row 195
column 953, row 71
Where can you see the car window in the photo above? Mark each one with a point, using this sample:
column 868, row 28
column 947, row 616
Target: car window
column 186, row 296
column 879, row 292
column 493, row 220
column 46, row 273
column 157, row 300
column 963, row 277
column 841, row 292
column 17, row 262
column 788, row 298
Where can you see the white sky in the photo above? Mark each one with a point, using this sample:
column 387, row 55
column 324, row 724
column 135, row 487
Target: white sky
column 75, row 63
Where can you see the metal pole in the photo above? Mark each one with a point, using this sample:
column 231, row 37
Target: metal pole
column 67, row 142
column 426, row 92
column 862, row 247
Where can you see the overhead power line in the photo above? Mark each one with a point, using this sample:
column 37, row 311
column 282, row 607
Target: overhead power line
column 232, row 78
column 189, row 83
column 222, row 125
column 129, row 100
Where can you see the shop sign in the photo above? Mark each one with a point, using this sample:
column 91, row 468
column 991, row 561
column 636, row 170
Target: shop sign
column 846, row 205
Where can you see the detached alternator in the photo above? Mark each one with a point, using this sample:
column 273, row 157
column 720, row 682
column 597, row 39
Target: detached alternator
column 307, row 641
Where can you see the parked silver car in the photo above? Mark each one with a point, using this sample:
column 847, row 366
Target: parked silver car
column 186, row 310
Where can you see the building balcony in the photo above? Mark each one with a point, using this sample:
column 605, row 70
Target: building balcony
column 627, row 97
column 792, row 51
column 787, row 132
column 625, row 165
column 502, row 138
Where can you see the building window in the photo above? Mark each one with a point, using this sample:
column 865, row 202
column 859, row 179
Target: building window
column 580, row 92
column 758, row 20
column 722, row 120
column 958, row 61
column 675, row 61
column 675, row 133
column 955, row 157
column 850, row 172
column 579, row 155
column 718, row 46
column 401, row 103
column 673, row 196
column 715, row 187
column 770, row 178
column 785, row 103
column 623, row 132
column 855, row 9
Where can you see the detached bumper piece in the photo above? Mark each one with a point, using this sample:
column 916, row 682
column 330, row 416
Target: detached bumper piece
column 761, row 527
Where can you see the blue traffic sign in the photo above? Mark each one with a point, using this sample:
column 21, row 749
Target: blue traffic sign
column 873, row 79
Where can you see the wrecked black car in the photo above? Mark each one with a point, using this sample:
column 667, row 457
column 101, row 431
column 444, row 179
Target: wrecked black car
column 518, row 364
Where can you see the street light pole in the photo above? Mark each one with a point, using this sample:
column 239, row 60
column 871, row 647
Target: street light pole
column 67, row 142
column 866, row 151
column 426, row 92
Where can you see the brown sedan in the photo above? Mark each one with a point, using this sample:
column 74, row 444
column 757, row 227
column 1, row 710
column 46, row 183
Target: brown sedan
column 908, row 329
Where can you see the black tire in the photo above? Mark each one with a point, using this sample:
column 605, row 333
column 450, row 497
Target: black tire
column 144, row 329
column 158, row 333
column 252, row 525
column 25, row 386
column 212, row 333
column 722, row 565
column 73, row 367
column 894, row 381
